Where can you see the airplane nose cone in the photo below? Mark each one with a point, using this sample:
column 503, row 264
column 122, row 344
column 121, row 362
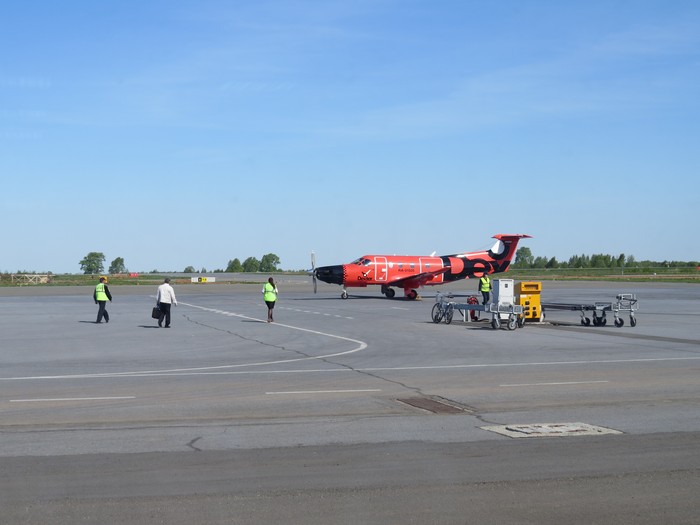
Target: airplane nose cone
column 330, row 274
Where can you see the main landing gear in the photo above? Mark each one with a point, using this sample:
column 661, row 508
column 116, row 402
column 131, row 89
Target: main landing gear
column 409, row 293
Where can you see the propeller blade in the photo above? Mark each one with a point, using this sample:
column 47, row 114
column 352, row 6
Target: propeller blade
column 313, row 270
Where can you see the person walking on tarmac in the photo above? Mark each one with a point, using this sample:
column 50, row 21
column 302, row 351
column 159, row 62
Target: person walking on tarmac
column 101, row 295
column 270, row 296
column 165, row 299
column 485, row 288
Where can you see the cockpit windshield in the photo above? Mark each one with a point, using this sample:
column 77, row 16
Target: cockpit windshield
column 362, row 261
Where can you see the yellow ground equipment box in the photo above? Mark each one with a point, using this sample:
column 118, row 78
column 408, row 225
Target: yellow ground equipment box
column 528, row 296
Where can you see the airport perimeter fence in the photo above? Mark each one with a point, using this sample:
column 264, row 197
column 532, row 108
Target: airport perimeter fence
column 632, row 273
column 660, row 273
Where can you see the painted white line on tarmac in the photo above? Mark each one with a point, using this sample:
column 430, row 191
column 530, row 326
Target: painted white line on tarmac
column 60, row 399
column 562, row 383
column 226, row 369
column 361, row 345
column 538, row 363
column 321, row 392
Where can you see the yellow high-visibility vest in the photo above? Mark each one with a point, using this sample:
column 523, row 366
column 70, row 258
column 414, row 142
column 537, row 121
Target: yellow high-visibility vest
column 269, row 293
column 100, row 294
column 485, row 284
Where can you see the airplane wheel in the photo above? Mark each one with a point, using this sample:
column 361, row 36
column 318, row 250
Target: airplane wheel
column 633, row 320
column 603, row 322
column 412, row 295
column 586, row 321
column 390, row 293
column 344, row 295
column 449, row 313
column 436, row 314
column 619, row 322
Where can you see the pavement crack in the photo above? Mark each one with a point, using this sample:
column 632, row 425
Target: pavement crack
column 239, row 336
column 191, row 444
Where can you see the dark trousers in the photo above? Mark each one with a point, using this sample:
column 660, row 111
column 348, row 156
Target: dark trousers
column 486, row 296
column 270, row 308
column 164, row 313
column 102, row 311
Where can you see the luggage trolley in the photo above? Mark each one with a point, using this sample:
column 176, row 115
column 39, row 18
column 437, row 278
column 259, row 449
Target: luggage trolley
column 503, row 310
column 625, row 302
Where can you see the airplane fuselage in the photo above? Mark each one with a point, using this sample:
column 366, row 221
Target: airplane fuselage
column 413, row 271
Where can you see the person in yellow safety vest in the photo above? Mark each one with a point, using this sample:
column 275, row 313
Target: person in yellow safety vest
column 101, row 295
column 485, row 288
column 270, row 296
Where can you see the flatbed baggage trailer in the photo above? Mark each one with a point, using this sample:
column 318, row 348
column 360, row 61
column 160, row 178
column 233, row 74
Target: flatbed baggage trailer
column 503, row 313
column 625, row 302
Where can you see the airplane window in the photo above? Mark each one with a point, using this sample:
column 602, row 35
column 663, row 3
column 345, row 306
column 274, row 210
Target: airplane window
column 413, row 265
column 366, row 262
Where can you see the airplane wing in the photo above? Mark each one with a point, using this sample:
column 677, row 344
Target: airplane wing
column 420, row 279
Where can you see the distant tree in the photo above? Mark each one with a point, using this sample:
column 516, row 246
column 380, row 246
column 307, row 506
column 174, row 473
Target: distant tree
column 579, row 261
column 189, row 269
column 269, row 263
column 523, row 258
column 93, row 263
column 117, row 266
column 251, row 264
column 552, row 263
column 539, row 262
column 600, row 260
column 203, row 270
column 234, row 266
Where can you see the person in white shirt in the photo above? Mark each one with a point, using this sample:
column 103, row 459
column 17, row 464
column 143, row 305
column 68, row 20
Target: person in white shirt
column 165, row 298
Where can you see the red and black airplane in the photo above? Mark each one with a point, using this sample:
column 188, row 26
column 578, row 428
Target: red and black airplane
column 413, row 271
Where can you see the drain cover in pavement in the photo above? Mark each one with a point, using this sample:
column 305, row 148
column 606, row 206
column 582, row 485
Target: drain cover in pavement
column 550, row 430
column 432, row 405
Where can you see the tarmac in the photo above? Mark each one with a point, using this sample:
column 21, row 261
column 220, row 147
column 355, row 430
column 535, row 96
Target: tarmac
column 346, row 411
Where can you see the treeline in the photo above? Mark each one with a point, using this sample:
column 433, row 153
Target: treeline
column 525, row 259
column 269, row 263
column 93, row 263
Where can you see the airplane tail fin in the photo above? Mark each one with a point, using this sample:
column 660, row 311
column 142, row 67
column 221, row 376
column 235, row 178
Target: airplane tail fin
column 504, row 248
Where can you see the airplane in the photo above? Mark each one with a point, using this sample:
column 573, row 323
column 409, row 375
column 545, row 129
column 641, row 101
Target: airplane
column 413, row 271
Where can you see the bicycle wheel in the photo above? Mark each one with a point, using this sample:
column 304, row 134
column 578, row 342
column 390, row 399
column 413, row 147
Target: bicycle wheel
column 449, row 312
column 436, row 314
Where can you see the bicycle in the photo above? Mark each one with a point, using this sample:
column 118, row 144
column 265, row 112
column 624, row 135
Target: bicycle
column 442, row 309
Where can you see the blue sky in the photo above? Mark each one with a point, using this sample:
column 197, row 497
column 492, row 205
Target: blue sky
column 191, row 133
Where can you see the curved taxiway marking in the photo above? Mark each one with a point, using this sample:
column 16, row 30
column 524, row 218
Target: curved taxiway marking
column 361, row 345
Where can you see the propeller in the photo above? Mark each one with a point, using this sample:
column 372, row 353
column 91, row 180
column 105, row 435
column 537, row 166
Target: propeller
column 313, row 270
